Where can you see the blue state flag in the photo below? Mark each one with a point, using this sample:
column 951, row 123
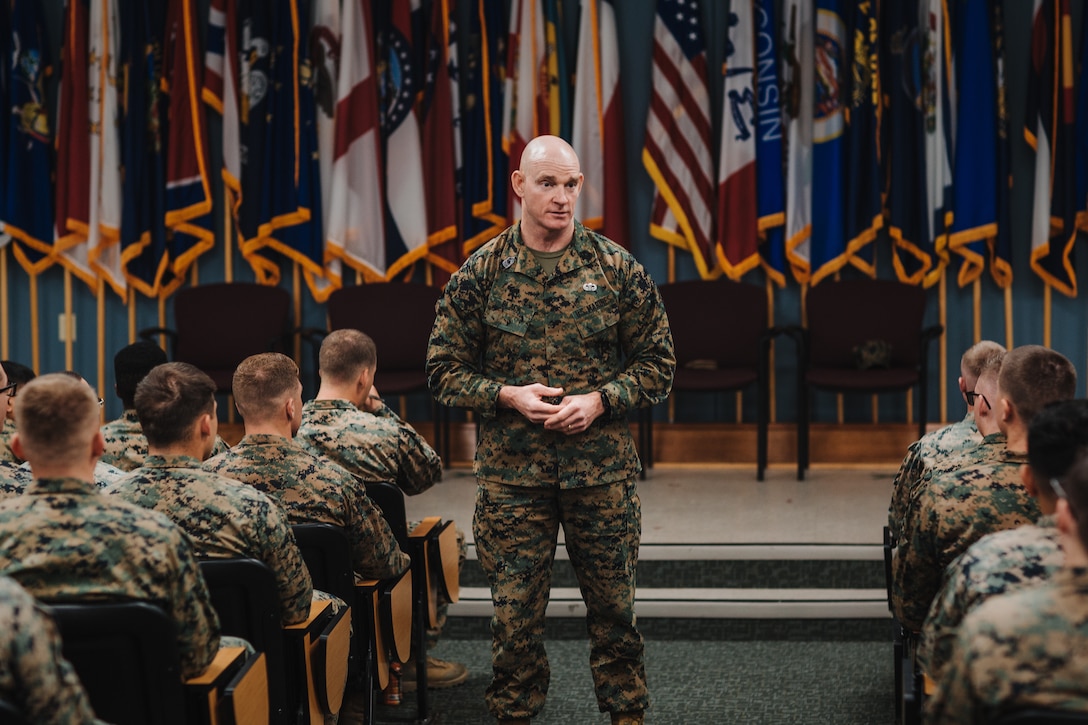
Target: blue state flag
column 26, row 207
column 974, row 197
column 904, row 129
column 771, row 193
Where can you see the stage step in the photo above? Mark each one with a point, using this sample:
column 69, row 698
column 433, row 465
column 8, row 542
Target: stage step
column 728, row 581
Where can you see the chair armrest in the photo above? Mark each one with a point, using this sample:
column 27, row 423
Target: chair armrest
column 204, row 691
column 246, row 697
column 320, row 645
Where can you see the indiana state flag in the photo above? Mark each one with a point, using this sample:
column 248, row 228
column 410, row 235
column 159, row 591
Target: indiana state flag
column 26, row 209
column 482, row 170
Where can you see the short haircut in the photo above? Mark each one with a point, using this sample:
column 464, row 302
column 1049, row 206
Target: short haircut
column 345, row 354
column 17, row 373
column 1033, row 376
column 1075, row 485
column 170, row 399
column 1056, row 436
column 57, row 418
column 262, row 382
column 131, row 364
column 974, row 358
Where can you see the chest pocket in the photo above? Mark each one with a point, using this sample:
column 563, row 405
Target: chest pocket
column 602, row 315
column 507, row 318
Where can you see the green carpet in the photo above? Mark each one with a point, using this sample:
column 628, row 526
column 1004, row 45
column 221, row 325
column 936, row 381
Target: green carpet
column 712, row 682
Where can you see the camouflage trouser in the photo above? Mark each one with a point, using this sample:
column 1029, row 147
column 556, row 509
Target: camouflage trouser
column 516, row 528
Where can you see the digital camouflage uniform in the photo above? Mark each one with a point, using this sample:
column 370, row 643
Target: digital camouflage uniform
column 372, row 446
column 1024, row 649
column 126, row 445
column 34, row 676
column 995, row 564
column 922, row 455
column 954, row 511
column 596, row 324
column 6, row 433
column 14, row 479
column 225, row 519
column 313, row 489
column 104, row 474
column 66, row 541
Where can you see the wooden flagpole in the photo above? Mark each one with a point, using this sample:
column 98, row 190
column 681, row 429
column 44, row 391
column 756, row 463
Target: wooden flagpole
column 1008, row 318
column 35, row 333
column 69, row 328
column 1046, row 314
column 228, row 237
column 976, row 298
column 130, row 293
column 942, row 342
column 101, row 304
column 296, row 298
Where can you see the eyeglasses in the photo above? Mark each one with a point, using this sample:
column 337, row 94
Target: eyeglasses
column 1059, row 491
column 101, row 402
column 9, row 389
column 972, row 396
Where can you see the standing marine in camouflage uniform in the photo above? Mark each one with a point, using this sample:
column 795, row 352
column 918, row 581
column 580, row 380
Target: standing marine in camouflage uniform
column 350, row 424
column 309, row 488
column 932, row 449
column 1012, row 559
column 63, row 540
column 126, row 445
column 1025, row 649
column 958, row 508
column 224, row 518
column 551, row 334
column 14, row 375
column 34, row 676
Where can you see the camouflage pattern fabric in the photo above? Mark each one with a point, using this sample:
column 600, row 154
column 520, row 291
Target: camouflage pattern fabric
column 372, row 446
column 995, row 564
column 923, row 456
column 313, row 489
column 6, row 432
column 1021, row 650
column 126, row 445
column 34, row 676
column 65, row 541
column 14, row 479
column 954, row 511
column 597, row 324
column 225, row 519
column 515, row 529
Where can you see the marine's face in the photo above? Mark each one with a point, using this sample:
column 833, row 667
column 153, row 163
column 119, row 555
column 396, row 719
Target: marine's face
column 548, row 189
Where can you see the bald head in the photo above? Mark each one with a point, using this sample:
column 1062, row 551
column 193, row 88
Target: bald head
column 547, row 148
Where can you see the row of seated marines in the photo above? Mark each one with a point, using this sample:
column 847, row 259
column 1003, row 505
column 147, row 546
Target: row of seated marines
column 126, row 511
column 988, row 546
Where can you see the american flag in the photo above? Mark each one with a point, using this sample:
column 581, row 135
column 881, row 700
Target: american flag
column 677, row 150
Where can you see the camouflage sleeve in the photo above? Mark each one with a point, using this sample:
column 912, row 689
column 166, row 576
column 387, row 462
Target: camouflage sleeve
column 649, row 359
column 374, row 548
column 418, row 466
column 456, row 345
column 191, row 607
column 953, row 702
column 904, row 482
column 280, row 551
column 42, row 683
column 944, row 617
column 916, row 569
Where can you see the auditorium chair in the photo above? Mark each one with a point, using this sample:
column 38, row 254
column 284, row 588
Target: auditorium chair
column 126, row 656
column 862, row 336
column 246, row 599
column 217, row 326
column 398, row 316
column 722, row 339
column 382, row 610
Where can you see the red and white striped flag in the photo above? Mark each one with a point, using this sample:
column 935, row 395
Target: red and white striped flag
column 598, row 123
column 677, row 150
column 354, row 230
column 221, row 93
column 738, row 238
